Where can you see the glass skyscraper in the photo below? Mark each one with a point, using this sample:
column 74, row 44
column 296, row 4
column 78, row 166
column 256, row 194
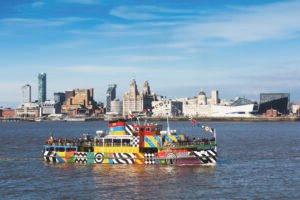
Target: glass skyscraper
column 26, row 94
column 110, row 96
column 42, row 87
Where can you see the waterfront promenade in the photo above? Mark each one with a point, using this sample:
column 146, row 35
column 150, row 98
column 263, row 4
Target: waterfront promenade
column 206, row 119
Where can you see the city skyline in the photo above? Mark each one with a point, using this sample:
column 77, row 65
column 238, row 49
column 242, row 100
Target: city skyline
column 242, row 48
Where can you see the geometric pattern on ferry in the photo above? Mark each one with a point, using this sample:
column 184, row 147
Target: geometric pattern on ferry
column 175, row 138
column 206, row 156
column 149, row 158
column 139, row 158
column 152, row 141
column 80, row 157
column 171, row 159
column 123, row 158
column 50, row 156
column 134, row 142
column 129, row 129
column 99, row 158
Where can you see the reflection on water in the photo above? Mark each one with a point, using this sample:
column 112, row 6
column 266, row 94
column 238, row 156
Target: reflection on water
column 256, row 161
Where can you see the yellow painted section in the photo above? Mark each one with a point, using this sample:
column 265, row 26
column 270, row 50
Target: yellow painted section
column 117, row 133
column 106, row 161
column 182, row 137
column 61, row 154
column 153, row 141
column 99, row 149
column 173, row 138
column 139, row 155
column 139, row 162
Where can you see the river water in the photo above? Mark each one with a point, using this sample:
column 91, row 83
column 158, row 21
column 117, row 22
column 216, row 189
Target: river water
column 259, row 160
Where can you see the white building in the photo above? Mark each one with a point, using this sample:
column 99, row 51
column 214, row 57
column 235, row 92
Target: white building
column 48, row 108
column 201, row 106
column 163, row 108
column 26, row 94
column 116, row 106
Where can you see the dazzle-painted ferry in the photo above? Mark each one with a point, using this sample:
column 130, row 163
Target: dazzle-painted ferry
column 133, row 144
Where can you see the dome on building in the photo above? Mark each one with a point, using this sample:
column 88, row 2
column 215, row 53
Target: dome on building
column 202, row 93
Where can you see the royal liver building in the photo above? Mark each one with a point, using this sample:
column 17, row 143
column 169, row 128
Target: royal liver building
column 134, row 102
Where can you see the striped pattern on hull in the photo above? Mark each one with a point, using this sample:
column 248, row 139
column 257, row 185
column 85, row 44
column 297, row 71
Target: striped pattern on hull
column 50, row 156
column 206, row 156
column 123, row 158
column 129, row 129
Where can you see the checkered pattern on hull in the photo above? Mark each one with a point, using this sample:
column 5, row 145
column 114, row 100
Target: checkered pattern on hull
column 80, row 158
column 135, row 141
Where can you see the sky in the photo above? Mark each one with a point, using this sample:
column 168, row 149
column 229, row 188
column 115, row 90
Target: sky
column 240, row 48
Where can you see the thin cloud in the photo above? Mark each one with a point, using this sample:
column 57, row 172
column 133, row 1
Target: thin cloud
column 99, row 69
column 34, row 22
column 145, row 12
column 259, row 23
column 37, row 4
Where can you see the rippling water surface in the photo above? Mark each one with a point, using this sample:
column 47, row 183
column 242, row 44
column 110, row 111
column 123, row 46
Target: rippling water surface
column 256, row 161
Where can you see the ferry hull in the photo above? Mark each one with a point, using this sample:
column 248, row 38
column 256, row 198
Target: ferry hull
column 160, row 158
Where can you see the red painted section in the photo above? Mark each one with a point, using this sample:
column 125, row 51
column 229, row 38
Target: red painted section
column 115, row 124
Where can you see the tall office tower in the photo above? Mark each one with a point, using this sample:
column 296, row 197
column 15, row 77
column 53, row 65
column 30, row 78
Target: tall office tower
column 42, row 87
column 26, row 94
column 110, row 96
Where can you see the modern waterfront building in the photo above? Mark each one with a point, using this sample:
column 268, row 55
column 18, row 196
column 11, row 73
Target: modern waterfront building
column 26, row 94
column 42, row 87
column 164, row 108
column 277, row 101
column 202, row 106
column 110, row 96
column 134, row 102
column 79, row 101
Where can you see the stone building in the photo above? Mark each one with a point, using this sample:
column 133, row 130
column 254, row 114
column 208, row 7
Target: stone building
column 134, row 102
column 79, row 101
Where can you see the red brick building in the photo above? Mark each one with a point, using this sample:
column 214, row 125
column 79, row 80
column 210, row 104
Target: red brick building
column 8, row 113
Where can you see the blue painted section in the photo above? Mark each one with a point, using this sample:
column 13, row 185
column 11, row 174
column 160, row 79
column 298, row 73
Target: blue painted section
column 149, row 142
column 168, row 139
column 117, row 128
column 59, row 159
column 158, row 139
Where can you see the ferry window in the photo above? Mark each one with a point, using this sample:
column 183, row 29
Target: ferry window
column 108, row 142
column 136, row 129
column 147, row 129
column 153, row 129
column 50, row 149
column 126, row 142
column 88, row 149
column 70, row 149
column 60, row 149
column 117, row 142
